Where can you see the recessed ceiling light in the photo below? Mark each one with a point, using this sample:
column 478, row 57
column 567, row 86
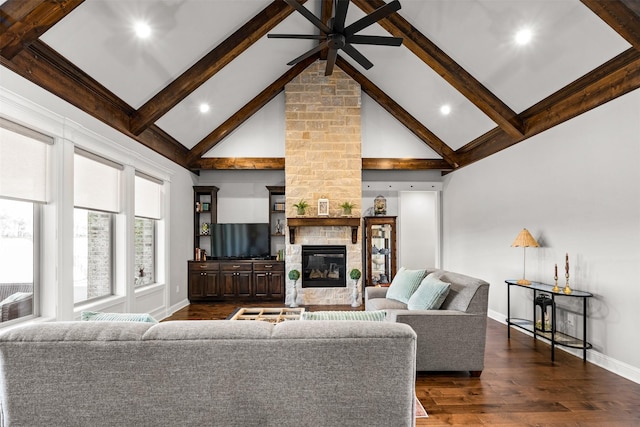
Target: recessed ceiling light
column 204, row 108
column 142, row 29
column 445, row 109
column 523, row 36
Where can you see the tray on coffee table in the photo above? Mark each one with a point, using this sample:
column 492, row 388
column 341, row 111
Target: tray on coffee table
column 268, row 314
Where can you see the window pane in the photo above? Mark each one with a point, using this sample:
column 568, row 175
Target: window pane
column 145, row 238
column 16, row 259
column 92, row 254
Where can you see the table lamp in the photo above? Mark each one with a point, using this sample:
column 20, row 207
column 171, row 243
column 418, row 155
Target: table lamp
column 524, row 240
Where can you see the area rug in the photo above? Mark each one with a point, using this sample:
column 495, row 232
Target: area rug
column 420, row 411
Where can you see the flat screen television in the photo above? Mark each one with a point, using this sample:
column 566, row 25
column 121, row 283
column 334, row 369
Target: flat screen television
column 242, row 241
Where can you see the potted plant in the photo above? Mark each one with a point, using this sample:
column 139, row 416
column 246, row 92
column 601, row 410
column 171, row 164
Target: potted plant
column 346, row 208
column 294, row 275
column 355, row 275
column 301, row 206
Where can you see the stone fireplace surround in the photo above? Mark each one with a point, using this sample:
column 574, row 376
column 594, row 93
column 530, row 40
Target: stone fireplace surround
column 323, row 160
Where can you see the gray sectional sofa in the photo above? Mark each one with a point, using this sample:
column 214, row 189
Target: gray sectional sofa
column 451, row 338
column 208, row 373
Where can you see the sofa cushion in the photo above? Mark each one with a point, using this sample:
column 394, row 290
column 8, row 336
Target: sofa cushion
column 378, row 315
column 404, row 284
column 430, row 294
column 117, row 317
column 384, row 304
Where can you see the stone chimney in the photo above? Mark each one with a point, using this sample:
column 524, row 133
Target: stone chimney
column 323, row 160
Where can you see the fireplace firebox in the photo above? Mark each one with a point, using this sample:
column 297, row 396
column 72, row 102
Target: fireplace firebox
column 324, row 266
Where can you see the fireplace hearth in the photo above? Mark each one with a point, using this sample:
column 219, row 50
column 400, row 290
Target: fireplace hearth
column 324, row 266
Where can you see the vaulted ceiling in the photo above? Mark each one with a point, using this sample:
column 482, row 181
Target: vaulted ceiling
column 455, row 52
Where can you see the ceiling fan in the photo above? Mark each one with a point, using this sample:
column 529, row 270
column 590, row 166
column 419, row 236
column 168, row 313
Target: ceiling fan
column 336, row 36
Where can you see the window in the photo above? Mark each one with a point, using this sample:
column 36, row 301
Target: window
column 96, row 198
column 24, row 161
column 148, row 196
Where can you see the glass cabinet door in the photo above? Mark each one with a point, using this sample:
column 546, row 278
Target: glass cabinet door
column 380, row 250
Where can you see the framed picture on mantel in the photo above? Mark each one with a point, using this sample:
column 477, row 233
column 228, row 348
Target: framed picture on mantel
column 323, row 207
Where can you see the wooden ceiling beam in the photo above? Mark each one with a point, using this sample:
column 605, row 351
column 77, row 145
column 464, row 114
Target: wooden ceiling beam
column 448, row 69
column 45, row 67
column 23, row 21
column 237, row 163
column 622, row 16
column 249, row 109
column 615, row 78
column 405, row 164
column 210, row 64
column 400, row 114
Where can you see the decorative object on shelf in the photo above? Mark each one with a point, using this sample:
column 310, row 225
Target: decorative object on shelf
column 556, row 288
column 375, row 250
column 206, row 207
column 380, row 206
column 323, row 207
column 278, row 207
column 204, row 229
column 301, row 207
column 567, row 289
column 347, row 207
column 524, row 240
column 278, row 227
column 294, row 275
column 355, row 275
column 198, row 207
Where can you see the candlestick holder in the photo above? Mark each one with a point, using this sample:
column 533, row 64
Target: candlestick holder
column 556, row 288
column 567, row 289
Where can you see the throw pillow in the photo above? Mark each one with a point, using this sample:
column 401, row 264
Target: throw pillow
column 404, row 284
column 430, row 294
column 96, row 316
column 376, row 315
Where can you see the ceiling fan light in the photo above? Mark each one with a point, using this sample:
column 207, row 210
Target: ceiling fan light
column 142, row 29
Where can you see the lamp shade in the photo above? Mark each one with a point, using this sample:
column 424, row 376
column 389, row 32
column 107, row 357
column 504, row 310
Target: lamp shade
column 525, row 240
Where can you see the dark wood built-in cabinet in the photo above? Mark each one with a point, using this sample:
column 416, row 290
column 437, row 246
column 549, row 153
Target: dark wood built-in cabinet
column 380, row 250
column 230, row 280
column 205, row 213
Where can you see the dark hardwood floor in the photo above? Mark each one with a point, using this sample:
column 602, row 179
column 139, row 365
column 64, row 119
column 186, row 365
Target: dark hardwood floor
column 519, row 386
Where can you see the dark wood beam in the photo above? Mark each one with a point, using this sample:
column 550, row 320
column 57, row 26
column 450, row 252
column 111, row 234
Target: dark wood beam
column 400, row 114
column 23, row 21
column 247, row 110
column 622, row 16
column 615, row 78
column 45, row 67
column 405, row 164
column 210, row 64
column 446, row 67
column 257, row 163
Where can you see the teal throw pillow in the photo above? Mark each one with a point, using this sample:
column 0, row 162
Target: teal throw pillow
column 96, row 316
column 404, row 284
column 430, row 294
column 375, row 315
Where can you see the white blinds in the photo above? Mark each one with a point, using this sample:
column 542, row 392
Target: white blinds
column 23, row 162
column 148, row 197
column 96, row 182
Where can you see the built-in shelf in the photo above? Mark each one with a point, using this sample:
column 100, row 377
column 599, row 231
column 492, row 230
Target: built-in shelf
column 345, row 221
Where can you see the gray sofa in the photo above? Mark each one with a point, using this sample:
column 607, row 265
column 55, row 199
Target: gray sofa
column 208, row 373
column 451, row 338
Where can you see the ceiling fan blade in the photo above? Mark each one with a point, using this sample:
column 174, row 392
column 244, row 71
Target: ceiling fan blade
column 375, row 40
column 309, row 53
column 357, row 56
column 341, row 16
column 372, row 18
column 331, row 61
column 310, row 16
column 297, row 36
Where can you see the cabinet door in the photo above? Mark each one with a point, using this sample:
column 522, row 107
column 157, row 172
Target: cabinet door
column 261, row 284
column 276, row 285
column 211, row 284
column 227, row 284
column 196, row 285
column 243, row 283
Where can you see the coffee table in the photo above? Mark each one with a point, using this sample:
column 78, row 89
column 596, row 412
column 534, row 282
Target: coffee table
column 268, row 314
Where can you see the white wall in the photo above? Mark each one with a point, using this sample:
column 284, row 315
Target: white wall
column 419, row 229
column 576, row 187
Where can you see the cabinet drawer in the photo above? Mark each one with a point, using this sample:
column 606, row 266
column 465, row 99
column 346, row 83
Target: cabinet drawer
column 235, row 266
column 268, row 266
column 200, row 266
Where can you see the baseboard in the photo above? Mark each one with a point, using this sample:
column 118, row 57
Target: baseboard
column 182, row 304
column 593, row 356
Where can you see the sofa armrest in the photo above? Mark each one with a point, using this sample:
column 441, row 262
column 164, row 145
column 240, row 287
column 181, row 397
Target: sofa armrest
column 371, row 292
column 448, row 340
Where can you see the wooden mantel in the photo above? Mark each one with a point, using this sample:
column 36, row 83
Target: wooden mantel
column 345, row 221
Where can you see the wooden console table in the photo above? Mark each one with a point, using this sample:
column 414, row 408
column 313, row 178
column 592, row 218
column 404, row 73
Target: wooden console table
column 554, row 337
